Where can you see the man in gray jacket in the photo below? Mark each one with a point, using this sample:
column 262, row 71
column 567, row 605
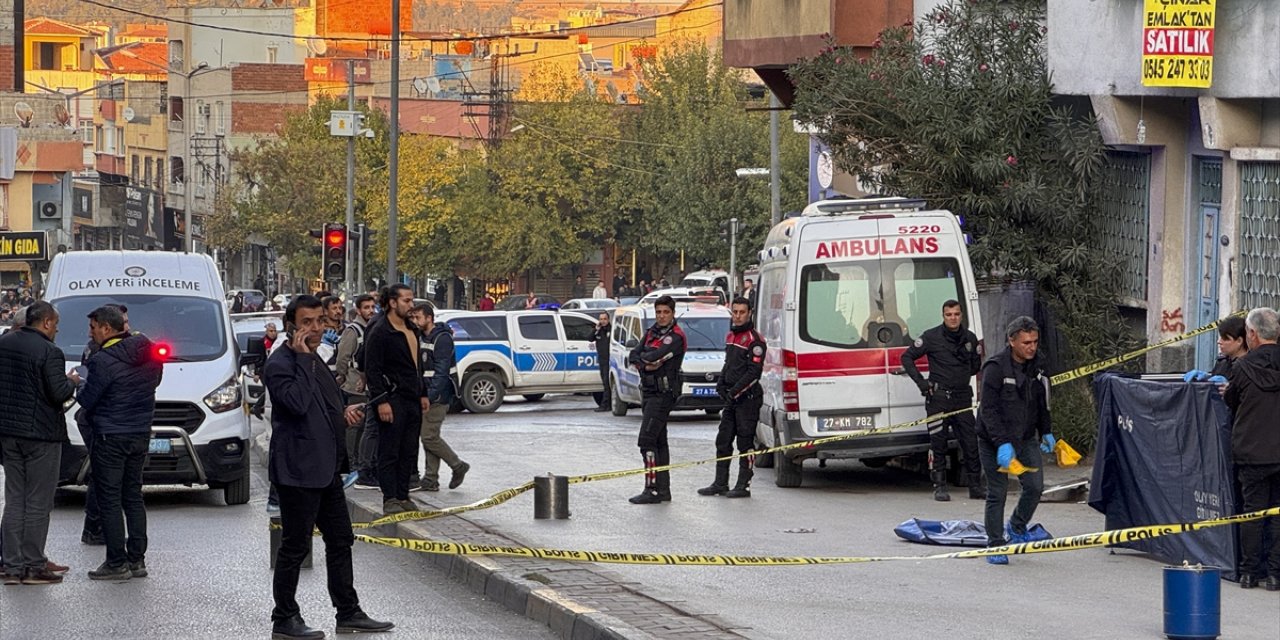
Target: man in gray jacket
column 351, row 380
column 34, row 385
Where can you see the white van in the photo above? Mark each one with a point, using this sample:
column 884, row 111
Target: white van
column 200, row 433
column 844, row 289
column 705, row 327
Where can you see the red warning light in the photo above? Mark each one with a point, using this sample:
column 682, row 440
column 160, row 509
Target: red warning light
column 335, row 238
column 161, row 351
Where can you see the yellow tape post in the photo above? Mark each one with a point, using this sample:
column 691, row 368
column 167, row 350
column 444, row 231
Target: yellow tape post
column 1070, row 543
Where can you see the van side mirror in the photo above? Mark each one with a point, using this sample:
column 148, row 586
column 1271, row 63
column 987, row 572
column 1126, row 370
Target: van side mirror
column 250, row 359
column 632, row 343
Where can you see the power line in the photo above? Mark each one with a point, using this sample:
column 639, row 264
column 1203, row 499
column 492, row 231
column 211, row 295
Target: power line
column 587, row 135
column 442, row 39
column 593, row 158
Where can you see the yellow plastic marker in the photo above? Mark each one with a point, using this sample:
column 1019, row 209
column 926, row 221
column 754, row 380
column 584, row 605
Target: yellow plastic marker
column 1016, row 468
column 1067, row 457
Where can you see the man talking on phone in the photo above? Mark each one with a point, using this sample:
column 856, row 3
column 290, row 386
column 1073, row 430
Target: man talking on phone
column 308, row 449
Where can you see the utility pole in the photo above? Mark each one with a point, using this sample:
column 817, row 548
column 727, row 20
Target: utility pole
column 360, row 268
column 733, row 257
column 351, row 174
column 393, row 171
column 775, row 164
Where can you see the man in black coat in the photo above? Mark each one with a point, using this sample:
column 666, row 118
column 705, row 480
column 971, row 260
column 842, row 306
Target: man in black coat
column 34, row 385
column 601, row 338
column 308, row 424
column 393, row 372
column 118, row 401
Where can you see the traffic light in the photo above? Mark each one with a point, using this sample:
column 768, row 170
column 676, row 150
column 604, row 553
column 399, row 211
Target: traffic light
column 335, row 252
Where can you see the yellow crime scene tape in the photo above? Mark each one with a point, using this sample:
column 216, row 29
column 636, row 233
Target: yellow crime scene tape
column 1054, row 545
column 507, row 494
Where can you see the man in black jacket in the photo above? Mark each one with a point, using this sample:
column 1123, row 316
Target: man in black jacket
column 1013, row 422
column 440, row 382
column 1253, row 394
column 118, row 400
column 952, row 353
column 308, row 445
column 601, row 337
column 392, row 368
column 739, row 386
column 34, row 385
column 658, row 358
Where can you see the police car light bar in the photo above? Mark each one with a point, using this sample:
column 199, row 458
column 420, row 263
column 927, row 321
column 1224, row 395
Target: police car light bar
column 842, row 207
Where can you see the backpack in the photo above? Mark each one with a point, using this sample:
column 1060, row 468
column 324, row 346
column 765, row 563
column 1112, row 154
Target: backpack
column 357, row 359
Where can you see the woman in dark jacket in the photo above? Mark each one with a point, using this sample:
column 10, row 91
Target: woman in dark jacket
column 1231, row 347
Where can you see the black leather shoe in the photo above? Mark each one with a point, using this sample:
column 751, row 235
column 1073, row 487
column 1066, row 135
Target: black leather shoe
column 646, row 497
column 294, row 629
column 362, row 623
column 977, row 493
column 714, row 490
column 1248, row 582
column 108, row 572
column 738, row 492
column 1273, row 583
column 940, row 493
column 92, row 539
column 138, row 569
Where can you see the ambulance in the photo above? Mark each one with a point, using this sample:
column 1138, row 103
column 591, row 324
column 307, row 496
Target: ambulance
column 844, row 289
column 200, row 430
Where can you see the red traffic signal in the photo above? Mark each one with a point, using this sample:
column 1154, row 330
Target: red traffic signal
column 335, row 252
column 335, row 238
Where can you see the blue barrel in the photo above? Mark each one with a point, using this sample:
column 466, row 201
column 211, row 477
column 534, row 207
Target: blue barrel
column 1192, row 602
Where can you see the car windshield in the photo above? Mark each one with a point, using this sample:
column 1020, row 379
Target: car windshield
column 192, row 327
column 705, row 334
column 875, row 303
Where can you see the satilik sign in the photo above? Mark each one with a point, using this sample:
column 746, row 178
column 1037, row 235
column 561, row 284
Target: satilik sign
column 1177, row 43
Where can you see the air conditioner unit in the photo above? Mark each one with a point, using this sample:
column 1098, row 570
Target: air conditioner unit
column 50, row 210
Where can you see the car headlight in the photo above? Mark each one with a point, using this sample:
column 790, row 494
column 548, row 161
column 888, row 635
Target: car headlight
column 225, row 398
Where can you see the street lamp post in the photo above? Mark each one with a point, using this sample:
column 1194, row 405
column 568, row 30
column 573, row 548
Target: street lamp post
column 188, row 201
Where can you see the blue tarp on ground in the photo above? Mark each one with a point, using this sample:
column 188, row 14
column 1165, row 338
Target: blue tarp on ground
column 1164, row 456
column 959, row 533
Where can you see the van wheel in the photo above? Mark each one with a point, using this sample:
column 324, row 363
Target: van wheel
column 787, row 471
column 617, row 405
column 765, row 461
column 534, row 397
column 482, row 392
column 237, row 491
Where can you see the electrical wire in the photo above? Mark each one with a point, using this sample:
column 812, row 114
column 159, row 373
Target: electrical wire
column 591, row 157
column 403, row 38
column 595, row 137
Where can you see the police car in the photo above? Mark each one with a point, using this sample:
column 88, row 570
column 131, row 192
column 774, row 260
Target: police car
column 528, row 353
column 705, row 327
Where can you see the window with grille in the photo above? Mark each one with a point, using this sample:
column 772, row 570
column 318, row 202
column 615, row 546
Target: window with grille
column 1259, row 234
column 1124, row 207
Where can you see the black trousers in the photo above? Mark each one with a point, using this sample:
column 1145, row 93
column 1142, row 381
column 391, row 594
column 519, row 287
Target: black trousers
column 960, row 426
column 738, row 424
column 398, row 448
column 92, row 514
column 1260, row 485
column 301, row 511
column 367, row 460
column 116, row 463
column 606, row 396
column 655, row 410
column 1028, row 453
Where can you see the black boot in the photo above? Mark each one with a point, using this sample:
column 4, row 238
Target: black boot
column 939, row 477
column 648, row 496
column 977, row 489
column 362, row 623
column 1247, row 581
column 294, row 629
column 721, row 484
column 739, row 490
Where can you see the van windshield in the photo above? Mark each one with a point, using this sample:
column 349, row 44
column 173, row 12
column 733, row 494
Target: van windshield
column 704, row 334
column 192, row 327
column 873, row 304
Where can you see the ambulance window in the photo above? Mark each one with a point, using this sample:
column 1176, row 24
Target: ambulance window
column 836, row 301
column 920, row 286
column 538, row 328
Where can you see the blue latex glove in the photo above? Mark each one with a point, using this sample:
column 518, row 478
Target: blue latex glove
column 1217, row 380
column 1004, row 455
column 1046, row 443
column 331, row 337
column 1195, row 375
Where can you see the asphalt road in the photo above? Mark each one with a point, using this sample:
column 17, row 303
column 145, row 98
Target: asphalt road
column 844, row 509
column 210, row 578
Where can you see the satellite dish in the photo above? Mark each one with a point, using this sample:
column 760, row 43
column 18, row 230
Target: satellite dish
column 420, row 85
column 433, row 83
column 317, row 47
column 128, row 114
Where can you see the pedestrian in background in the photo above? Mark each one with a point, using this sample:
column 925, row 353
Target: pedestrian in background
column 361, row 442
column 579, row 290
column 531, row 301
column 1014, row 422
column 599, row 293
column 601, row 337
column 34, row 384
column 119, row 399
column 392, row 367
column 306, row 455
column 486, row 302
column 440, row 381
column 739, row 387
column 1253, row 395
column 952, row 353
column 658, row 358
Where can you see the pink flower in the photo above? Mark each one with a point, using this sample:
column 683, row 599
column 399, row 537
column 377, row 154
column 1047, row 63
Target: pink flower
column 942, row 62
column 1011, row 161
column 983, row 67
column 877, row 43
column 1013, row 26
column 927, row 60
column 839, row 59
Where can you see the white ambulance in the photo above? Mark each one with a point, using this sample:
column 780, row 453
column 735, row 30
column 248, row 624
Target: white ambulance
column 844, row 289
column 200, row 431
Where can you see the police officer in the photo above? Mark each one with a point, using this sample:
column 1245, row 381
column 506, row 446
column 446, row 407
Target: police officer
column 658, row 358
column 953, row 357
column 739, row 386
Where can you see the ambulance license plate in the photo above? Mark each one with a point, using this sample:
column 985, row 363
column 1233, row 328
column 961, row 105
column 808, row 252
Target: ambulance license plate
column 846, row 423
column 702, row 392
column 161, row 446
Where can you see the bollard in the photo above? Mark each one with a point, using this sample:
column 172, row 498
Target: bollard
column 551, row 497
column 275, row 545
column 1192, row 602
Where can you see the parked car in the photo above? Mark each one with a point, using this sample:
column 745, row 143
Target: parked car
column 705, row 327
column 528, row 353
column 711, row 278
column 516, row 302
column 254, row 300
column 248, row 327
column 589, row 304
column 707, row 295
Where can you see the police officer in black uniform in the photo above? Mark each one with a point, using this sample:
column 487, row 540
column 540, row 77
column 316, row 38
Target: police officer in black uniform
column 739, row 386
column 953, row 356
column 658, row 358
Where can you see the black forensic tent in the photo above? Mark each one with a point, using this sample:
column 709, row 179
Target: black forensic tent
column 1164, row 456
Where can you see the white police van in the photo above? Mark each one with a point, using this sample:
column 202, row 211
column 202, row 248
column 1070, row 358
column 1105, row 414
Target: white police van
column 705, row 327
column 200, row 432
column 528, row 353
column 844, row 289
